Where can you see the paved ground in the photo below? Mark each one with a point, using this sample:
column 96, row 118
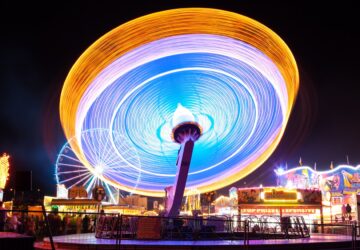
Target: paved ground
column 316, row 241
column 14, row 241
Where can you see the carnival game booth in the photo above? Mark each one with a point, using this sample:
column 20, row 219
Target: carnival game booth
column 339, row 186
column 270, row 206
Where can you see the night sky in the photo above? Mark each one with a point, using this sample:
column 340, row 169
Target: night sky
column 39, row 44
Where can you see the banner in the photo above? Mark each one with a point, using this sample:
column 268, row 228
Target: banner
column 249, row 196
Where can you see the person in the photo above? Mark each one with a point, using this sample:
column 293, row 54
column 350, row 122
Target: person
column 85, row 224
column 30, row 226
column 54, row 222
column 78, row 224
column 14, row 223
column 92, row 224
column 66, row 224
column 348, row 209
column 2, row 217
column 99, row 224
column 256, row 228
column 40, row 232
column 101, row 217
column 343, row 210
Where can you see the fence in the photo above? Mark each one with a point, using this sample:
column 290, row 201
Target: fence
column 40, row 224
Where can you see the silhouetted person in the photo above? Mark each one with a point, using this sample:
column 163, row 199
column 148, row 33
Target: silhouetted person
column 348, row 209
column 55, row 222
column 14, row 223
column 85, row 224
column 66, row 224
column 2, row 217
column 343, row 210
column 78, row 222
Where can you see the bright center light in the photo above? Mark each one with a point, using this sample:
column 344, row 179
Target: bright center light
column 99, row 169
column 182, row 115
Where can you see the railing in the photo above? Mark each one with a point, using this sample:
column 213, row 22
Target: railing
column 41, row 224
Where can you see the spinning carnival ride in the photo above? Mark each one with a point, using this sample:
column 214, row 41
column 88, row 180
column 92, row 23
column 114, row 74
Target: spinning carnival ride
column 234, row 77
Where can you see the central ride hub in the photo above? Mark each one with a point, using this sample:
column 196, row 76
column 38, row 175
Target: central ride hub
column 185, row 132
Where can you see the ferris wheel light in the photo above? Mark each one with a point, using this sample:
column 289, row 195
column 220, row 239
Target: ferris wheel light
column 99, row 169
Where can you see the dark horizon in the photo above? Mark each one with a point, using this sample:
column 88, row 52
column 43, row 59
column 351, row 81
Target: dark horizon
column 39, row 47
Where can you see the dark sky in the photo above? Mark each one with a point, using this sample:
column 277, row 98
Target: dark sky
column 40, row 42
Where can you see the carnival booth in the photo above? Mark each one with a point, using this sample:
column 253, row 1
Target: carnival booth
column 339, row 187
column 273, row 203
column 223, row 205
column 76, row 199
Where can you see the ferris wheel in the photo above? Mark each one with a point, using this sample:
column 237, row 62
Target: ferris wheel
column 100, row 165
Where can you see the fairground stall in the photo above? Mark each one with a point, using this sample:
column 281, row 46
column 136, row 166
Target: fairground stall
column 76, row 199
column 339, row 186
column 273, row 203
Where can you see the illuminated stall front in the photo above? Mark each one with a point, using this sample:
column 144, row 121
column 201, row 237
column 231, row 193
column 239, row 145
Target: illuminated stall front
column 223, row 205
column 279, row 202
column 76, row 199
column 90, row 206
column 339, row 186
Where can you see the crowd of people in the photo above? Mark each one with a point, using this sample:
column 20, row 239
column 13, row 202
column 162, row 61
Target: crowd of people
column 70, row 223
column 34, row 224
column 20, row 222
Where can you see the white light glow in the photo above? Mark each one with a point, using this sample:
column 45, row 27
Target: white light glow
column 181, row 115
column 99, row 169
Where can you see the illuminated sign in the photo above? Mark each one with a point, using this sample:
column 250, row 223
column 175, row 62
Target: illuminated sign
column 280, row 196
column 310, row 196
column 274, row 211
column 77, row 192
column 249, row 196
column 299, row 210
column 260, row 211
column 343, row 178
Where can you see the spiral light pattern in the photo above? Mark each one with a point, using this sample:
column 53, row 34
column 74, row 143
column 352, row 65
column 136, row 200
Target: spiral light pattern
column 236, row 76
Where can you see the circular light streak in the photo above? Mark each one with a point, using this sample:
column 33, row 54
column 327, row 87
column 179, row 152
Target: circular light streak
column 238, row 79
column 104, row 163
